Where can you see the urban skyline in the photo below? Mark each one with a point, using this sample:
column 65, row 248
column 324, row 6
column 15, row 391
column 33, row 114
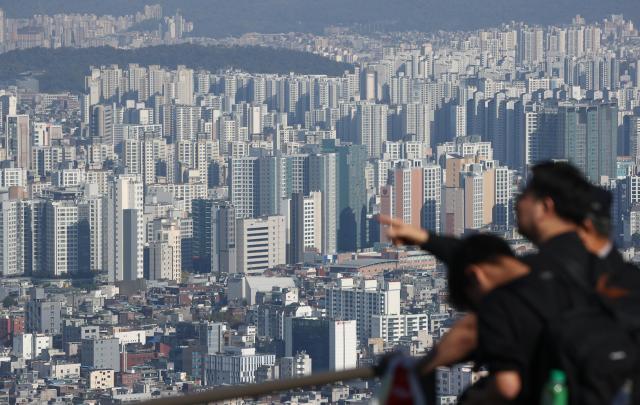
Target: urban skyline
column 170, row 229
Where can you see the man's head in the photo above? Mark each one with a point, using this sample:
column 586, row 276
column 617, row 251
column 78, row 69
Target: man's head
column 480, row 264
column 555, row 200
column 595, row 231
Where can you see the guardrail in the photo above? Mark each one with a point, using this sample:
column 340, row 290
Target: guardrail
column 255, row 390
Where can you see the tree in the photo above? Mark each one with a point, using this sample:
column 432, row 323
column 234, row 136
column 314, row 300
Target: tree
column 9, row 301
column 66, row 68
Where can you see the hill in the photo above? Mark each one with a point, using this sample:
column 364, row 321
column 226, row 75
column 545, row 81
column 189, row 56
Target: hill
column 65, row 68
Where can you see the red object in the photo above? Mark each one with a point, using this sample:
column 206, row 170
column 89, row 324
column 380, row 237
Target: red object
column 400, row 391
column 9, row 327
column 17, row 325
column 128, row 379
column 5, row 330
column 185, row 300
column 401, row 384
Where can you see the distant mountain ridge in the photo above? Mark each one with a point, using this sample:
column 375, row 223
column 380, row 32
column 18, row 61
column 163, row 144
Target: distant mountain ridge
column 65, row 68
column 234, row 17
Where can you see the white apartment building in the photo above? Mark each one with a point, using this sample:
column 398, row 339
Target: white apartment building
column 29, row 346
column 68, row 178
column 295, row 366
column 62, row 237
column 242, row 187
column 11, row 238
column 131, row 337
column 260, row 244
column 343, row 341
column 101, row 379
column 237, row 365
column 13, row 176
column 184, row 86
column 391, row 328
column 184, row 193
column 90, row 215
column 322, row 177
column 360, row 300
column 67, row 370
column 165, row 257
column 124, row 243
column 187, row 121
column 132, row 155
column 371, row 122
column 313, row 221
column 432, row 190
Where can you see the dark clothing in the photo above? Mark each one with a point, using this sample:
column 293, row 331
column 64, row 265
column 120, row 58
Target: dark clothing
column 442, row 247
column 510, row 332
column 569, row 244
column 625, row 276
column 622, row 273
column 564, row 245
column 620, row 288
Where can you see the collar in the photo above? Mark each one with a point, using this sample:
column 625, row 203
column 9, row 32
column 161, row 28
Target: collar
column 567, row 244
column 606, row 249
column 562, row 242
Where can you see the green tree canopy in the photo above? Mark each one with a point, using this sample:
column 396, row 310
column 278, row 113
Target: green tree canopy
column 65, row 68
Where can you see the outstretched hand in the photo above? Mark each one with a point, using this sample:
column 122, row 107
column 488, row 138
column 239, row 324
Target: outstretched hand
column 403, row 234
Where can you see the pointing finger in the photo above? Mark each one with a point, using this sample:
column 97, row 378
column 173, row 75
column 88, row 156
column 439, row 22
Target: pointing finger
column 387, row 220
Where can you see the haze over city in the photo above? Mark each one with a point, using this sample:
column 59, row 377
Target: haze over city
column 198, row 193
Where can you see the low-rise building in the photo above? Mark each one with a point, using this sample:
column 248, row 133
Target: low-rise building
column 237, row 365
column 392, row 327
column 101, row 379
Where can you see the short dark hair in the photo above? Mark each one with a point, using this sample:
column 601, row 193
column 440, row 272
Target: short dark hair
column 565, row 185
column 475, row 249
column 600, row 210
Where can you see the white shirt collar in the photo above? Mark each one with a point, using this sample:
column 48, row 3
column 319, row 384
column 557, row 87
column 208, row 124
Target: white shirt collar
column 604, row 252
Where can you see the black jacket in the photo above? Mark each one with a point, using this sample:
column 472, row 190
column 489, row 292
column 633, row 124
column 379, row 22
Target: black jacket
column 442, row 247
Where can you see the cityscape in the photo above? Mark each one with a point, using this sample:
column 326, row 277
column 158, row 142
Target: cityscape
column 166, row 229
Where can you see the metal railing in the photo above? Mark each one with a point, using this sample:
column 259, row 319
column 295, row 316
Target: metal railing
column 255, row 390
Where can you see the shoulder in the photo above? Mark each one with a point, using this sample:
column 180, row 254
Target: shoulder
column 506, row 294
column 625, row 275
column 519, row 294
column 532, row 280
